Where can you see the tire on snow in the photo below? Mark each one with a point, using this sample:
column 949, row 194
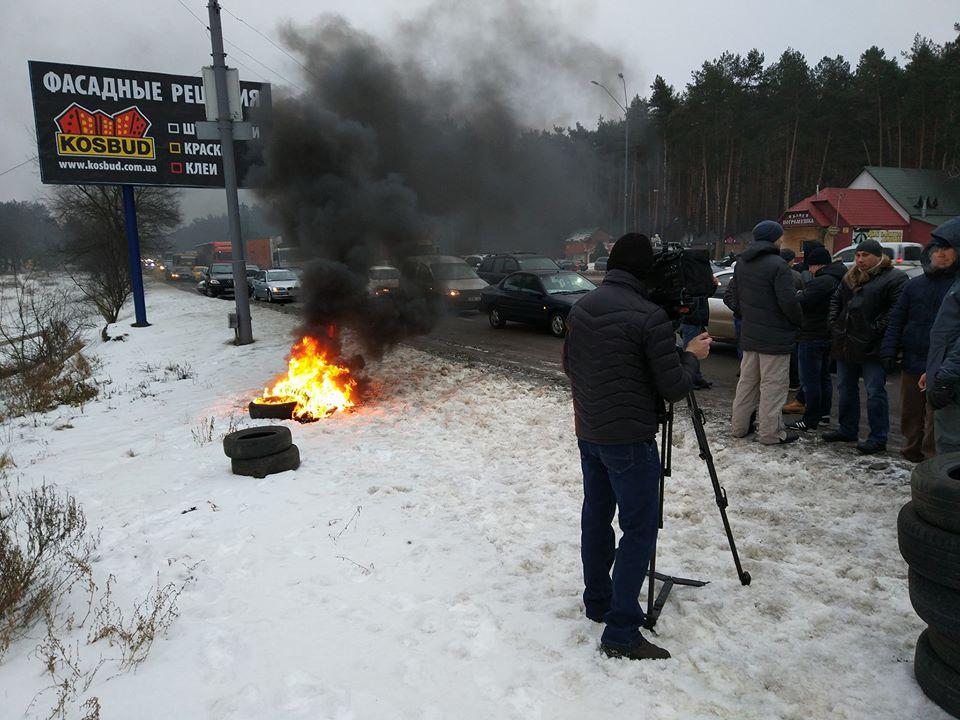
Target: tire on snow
column 260, row 467
column 939, row 681
column 257, row 442
column 930, row 551
column 938, row 606
column 947, row 647
column 935, row 489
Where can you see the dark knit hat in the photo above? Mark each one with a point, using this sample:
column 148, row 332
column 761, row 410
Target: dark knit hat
column 767, row 231
column 788, row 255
column 948, row 234
column 871, row 246
column 632, row 253
column 817, row 255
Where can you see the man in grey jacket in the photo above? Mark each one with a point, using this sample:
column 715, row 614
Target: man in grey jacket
column 766, row 298
column 942, row 378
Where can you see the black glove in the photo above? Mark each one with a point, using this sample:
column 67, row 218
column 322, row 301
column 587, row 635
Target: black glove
column 940, row 395
column 889, row 364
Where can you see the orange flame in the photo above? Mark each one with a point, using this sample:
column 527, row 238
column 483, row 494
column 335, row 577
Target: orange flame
column 318, row 387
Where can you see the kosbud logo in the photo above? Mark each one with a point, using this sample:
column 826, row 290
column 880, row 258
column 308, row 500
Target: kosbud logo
column 97, row 134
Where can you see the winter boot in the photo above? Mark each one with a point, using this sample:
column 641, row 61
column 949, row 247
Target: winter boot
column 643, row 650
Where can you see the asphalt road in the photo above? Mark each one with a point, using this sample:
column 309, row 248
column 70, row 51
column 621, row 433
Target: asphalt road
column 532, row 350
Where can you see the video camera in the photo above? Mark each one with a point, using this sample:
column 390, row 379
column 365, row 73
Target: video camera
column 679, row 277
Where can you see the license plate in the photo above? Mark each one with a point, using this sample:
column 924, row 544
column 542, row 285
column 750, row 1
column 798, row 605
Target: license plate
column 473, row 298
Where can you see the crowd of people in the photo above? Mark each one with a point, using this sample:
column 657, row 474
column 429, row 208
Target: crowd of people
column 621, row 357
column 867, row 322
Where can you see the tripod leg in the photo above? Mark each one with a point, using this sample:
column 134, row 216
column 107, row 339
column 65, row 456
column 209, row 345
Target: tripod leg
column 666, row 440
column 696, row 414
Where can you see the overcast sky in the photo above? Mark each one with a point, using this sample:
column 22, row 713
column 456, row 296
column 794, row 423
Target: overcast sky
column 667, row 38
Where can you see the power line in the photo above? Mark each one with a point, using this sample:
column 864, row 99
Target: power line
column 268, row 39
column 240, row 49
column 19, row 165
column 287, row 80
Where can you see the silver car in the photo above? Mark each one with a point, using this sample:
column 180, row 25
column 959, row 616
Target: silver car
column 274, row 285
column 721, row 326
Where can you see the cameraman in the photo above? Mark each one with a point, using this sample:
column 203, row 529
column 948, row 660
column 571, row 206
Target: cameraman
column 621, row 357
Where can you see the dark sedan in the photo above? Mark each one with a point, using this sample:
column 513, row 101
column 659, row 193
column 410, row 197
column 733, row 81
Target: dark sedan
column 539, row 297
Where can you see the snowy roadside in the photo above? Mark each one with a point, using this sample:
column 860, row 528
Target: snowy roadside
column 423, row 562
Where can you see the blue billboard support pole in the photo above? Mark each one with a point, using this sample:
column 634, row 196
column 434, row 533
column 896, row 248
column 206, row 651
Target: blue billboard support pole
column 133, row 254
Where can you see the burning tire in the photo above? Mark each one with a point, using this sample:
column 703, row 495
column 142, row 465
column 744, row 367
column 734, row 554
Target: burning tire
column 935, row 489
column 939, row 681
column 272, row 411
column 260, row 467
column 257, row 442
column 928, row 550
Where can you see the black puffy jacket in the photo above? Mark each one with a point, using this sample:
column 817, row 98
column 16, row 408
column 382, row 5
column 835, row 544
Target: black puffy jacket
column 815, row 300
column 621, row 357
column 765, row 295
column 859, row 316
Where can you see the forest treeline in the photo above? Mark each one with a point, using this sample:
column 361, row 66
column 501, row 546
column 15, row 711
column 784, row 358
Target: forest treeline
column 745, row 139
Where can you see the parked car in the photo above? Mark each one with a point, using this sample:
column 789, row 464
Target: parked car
column 217, row 280
column 383, row 279
column 274, row 285
column 495, row 268
column 473, row 260
column 444, row 277
column 600, row 264
column 537, row 297
column 179, row 273
column 567, row 265
column 721, row 326
column 902, row 253
column 197, row 271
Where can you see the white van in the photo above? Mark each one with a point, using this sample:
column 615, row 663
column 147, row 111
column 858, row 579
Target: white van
column 902, row 253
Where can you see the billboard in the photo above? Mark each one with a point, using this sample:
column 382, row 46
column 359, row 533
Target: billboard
column 102, row 126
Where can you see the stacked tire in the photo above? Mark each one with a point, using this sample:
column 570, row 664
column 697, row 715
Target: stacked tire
column 928, row 531
column 261, row 451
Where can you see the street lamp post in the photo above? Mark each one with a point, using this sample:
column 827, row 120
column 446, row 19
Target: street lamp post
column 626, row 140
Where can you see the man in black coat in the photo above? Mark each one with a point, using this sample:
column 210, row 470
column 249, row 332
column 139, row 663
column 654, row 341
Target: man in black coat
column 820, row 282
column 908, row 335
column 621, row 357
column 859, row 312
column 766, row 298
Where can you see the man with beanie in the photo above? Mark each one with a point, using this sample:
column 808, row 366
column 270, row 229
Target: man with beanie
column 820, row 282
column 942, row 378
column 766, row 298
column 908, row 334
column 621, row 357
column 859, row 312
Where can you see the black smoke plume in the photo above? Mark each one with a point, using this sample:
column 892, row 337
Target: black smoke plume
column 399, row 147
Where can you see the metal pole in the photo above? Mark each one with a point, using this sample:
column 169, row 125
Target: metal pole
column 133, row 255
column 225, row 124
column 626, row 146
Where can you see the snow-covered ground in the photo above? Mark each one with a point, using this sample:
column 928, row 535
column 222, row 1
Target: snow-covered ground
column 423, row 562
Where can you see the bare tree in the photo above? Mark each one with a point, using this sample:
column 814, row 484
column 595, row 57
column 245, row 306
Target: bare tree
column 95, row 247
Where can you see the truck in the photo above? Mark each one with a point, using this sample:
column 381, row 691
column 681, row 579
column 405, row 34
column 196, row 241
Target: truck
column 265, row 253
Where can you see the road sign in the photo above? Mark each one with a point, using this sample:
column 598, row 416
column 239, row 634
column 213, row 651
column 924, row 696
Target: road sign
column 103, row 126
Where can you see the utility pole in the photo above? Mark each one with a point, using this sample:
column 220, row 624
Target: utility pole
column 225, row 125
column 626, row 148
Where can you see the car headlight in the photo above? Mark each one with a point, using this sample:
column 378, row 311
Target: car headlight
column 214, row 281
column 454, row 293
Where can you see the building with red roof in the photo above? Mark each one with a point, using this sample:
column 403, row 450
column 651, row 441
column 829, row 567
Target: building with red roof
column 835, row 216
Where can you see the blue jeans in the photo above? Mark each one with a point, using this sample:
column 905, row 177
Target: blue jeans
column 878, row 406
column 688, row 333
column 625, row 477
column 814, row 359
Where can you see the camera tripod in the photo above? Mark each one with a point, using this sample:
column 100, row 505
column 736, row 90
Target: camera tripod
column 655, row 606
